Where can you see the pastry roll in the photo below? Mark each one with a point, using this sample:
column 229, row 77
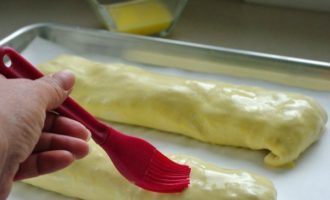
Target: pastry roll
column 95, row 178
column 285, row 124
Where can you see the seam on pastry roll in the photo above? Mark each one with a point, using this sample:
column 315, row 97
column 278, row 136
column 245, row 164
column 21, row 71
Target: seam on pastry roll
column 210, row 111
column 95, row 178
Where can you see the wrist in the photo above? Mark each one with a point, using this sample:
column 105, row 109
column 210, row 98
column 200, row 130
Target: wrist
column 3, row 154
column 7, row 172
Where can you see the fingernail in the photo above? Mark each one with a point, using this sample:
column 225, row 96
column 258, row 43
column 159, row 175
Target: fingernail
column 65, row 79
column 89, row 135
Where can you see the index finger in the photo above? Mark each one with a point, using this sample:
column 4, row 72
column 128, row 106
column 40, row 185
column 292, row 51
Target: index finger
column 62, row 125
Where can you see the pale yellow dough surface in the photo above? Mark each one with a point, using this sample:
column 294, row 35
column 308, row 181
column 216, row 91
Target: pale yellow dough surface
column 215, row 112
column 95, row 178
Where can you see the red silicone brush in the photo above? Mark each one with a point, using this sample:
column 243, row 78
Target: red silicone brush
column 136, row 159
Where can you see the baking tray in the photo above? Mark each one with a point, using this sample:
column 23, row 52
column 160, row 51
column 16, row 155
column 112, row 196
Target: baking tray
column 178, row 54
column 308, row 180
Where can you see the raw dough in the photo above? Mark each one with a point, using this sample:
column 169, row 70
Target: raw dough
column 215, row 112
column 95, row 178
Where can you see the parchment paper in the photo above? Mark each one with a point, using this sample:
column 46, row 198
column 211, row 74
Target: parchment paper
column 308, row 180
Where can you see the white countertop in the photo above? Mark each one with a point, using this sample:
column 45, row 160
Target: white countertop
column 230, row 23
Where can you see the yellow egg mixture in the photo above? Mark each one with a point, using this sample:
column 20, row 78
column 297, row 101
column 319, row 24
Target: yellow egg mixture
column 140, row 17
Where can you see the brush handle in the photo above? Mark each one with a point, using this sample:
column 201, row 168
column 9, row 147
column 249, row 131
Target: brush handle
column 21, row 68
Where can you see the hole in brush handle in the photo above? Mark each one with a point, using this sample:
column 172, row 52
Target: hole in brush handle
column 19, row 67
column 6, row 61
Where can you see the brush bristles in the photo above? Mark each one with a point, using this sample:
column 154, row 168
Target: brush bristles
column 167, row 175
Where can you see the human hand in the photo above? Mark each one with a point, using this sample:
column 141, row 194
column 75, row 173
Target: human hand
column 34, row 141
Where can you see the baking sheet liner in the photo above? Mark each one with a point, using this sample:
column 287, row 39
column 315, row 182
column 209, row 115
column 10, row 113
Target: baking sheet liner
column 309, row 179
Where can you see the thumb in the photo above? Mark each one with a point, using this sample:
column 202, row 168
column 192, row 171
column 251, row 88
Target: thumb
column 55, row 88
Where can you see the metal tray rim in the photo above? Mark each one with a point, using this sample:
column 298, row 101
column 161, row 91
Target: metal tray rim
column 247, row 53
